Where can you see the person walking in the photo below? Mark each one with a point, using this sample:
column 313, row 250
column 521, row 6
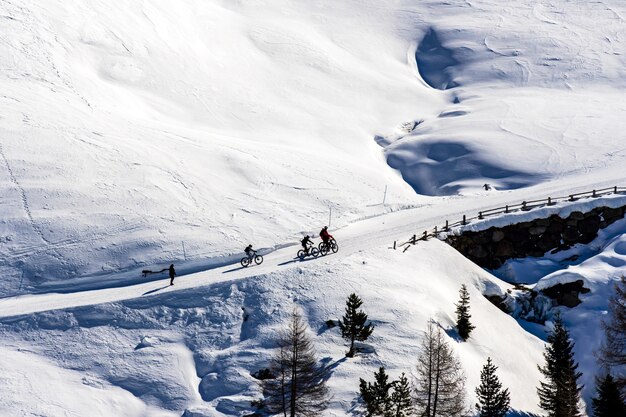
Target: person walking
column 172, row 274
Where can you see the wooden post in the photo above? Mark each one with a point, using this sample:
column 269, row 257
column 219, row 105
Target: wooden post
column 615, row 190
column 414, row 239
column 464, row 220
column 385, row 195
column 435, row 231
column 506, row 208
column 394, row 245
column 523, row 205
column 593, row 194
column 480, row 215
column 330, row 213
column 425, row 235
column 571, row 197
column 549, row 201
column 446, row 228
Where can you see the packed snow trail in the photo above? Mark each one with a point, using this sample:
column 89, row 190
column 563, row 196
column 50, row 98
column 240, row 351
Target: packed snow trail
column 377, row 232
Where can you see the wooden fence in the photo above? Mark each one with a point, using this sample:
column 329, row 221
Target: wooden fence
column 523, row 206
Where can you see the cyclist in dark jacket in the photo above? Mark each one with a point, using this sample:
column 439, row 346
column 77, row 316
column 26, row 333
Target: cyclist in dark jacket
column 249, row 251
column 305, row 243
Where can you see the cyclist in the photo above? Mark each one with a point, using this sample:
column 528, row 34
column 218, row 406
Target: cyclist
column 306, row 243
column 326, row 237
column 249, row 251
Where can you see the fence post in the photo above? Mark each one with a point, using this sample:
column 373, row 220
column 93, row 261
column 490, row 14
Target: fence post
column 615, row 190
column 524, row 205
column 436, row 231
column 394, row 245
column 425, row 235
column 480, row 215
column 464, row 220
column 446, row 228
column 571, row 197
column 593, row 194
column 506, row 208
column 549, row 201
column 414, row 239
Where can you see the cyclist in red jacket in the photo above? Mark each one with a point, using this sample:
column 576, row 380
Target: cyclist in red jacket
column 325, row 235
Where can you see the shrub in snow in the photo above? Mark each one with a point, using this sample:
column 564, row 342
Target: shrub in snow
column 493, row 401
column 352, row 324
column 609, row 402
column 463, row 324
column 560, row 395
column 439, row 381
column 263, row 374
column 299, row 388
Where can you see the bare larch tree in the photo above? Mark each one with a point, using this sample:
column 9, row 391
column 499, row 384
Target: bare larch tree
column 439, row 381
column 299, row 388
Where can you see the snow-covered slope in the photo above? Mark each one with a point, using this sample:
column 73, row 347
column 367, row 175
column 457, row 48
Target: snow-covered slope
column 146, row 132
column 155, row 345
column 135, row 134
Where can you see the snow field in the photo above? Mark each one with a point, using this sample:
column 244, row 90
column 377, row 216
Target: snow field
column 130, row 130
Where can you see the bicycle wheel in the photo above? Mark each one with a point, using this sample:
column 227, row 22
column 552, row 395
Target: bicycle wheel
column 258, row 259
column 301, row 254
column 323, row 249
column 334, row 246
column 245, row 262
column 314, row 252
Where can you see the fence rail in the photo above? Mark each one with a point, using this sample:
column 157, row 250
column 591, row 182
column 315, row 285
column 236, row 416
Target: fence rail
column 523, row 206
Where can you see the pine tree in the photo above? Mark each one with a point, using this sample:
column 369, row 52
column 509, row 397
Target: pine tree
column 609, row 402
column 300, row 386
column 613, row 349
column 462, row 314
column 492, row 400
column 376, row 396
column 401, row 403
column 353, row 325
column 560, row 395
column 439, row 382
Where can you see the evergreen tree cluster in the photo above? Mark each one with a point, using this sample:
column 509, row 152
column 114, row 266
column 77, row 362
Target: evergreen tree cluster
column 378, row 399
column 437, row 388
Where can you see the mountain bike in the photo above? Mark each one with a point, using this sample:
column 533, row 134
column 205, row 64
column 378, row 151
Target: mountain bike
column 311, row 250
column 247, row 260
column 331, row 247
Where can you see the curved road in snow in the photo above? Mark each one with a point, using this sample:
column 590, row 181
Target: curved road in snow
column 371, row 233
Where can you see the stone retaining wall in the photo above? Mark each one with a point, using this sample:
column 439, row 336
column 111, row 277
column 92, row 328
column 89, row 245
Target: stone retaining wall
column 490, row 248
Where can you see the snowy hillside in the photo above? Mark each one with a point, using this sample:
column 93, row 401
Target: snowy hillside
column 130, row 129
column 155, row 346
column 137, row 134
